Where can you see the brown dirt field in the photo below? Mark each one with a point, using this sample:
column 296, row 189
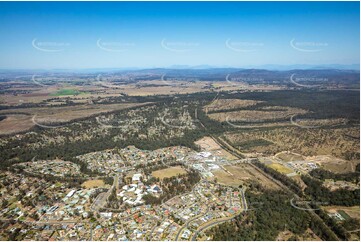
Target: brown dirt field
column 255, row 115
column 93, row 183
column 353, row 212
column 287, row 156
column 237, row 175
column 333, row 164
column 169, row 172
column 208, row 144
column 15, row 123
column 49, row 115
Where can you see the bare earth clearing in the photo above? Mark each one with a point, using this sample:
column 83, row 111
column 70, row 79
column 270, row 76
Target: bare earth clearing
column 208, row 144
column 169, row 172
column 93, row 183
column 240, row 174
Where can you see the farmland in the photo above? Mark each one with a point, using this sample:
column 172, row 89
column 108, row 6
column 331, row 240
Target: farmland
column 67, row 92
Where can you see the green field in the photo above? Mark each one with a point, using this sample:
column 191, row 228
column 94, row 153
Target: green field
column 67, row 92
column 343, row 214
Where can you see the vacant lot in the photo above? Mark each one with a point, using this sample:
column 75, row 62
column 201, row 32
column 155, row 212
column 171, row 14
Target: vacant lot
column 208, row 144
column 240, row 174
column 169, row 172
column 288, row 156
column 333, row 164
column 280, row 168
column 93, row 183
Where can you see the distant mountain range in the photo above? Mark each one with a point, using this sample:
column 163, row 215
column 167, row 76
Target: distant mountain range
column 275, row 67
column 199, row 67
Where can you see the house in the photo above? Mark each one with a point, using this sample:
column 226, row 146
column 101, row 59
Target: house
column 106, row 215
column 155, row 189
column 186, row 234
column 136, row 177
column 71, row 193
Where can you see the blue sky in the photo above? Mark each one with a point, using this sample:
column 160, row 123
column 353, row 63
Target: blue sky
column 43, row 35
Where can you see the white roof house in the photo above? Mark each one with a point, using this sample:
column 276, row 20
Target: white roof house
column 136, row 177
column 205, row 154
column 71, row 193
